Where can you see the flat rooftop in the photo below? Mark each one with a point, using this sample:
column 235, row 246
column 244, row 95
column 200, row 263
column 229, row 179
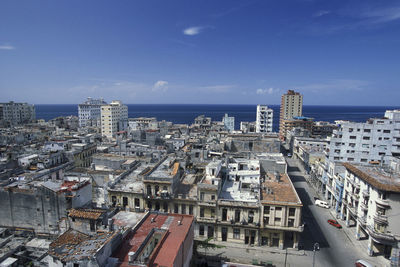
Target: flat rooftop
column 132, row 182
column 279, row 192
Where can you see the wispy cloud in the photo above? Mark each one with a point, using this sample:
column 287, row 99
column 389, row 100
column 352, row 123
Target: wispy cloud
column 382, row 15
column 160, row 86
column 6, row 47
column 193, row 30
column 321, row 13
column 334, row 86
column 266, row 91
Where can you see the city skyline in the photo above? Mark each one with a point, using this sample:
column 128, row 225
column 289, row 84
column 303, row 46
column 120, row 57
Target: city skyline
column 229, row 52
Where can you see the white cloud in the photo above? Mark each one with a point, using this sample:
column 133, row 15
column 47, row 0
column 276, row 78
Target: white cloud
column 160, row 86
column 321, row 13
column 6, row 47
column 382, row 15
column 193, row 30
column 266, row 91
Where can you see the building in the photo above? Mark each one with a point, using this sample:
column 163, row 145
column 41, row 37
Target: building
column 229, row 123
column 248, row 126
column 371, row 202
column 295, row 122
column 291, row 106
column 89, row 112
column 159, row 239
column 264, row 119
column 12, row 113
column 323, row 128
column 369, row 142
column 114, row 118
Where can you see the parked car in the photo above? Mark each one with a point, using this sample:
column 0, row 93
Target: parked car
column 363, row 263
column 289, row 155
column 334, row 223
column 321, row 204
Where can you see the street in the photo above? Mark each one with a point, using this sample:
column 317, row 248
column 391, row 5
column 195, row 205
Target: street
column 336, row 248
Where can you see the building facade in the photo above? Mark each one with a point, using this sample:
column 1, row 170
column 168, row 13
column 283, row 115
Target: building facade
column 264, row 119
column 12, row 113
column 229, row 123
column 291, row 106
column 369, row 142
column 114, row 118
column 89, row 112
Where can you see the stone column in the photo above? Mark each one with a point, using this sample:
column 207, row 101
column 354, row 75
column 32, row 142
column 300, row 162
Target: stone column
column 281, row 240
column 347, row 217
column 370, row 246
column 358, row 230
column 295, row 240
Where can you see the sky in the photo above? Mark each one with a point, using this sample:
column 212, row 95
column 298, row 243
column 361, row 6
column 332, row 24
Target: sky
column 200, row 52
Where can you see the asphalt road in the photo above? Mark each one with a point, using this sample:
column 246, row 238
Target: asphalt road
column 336, row 249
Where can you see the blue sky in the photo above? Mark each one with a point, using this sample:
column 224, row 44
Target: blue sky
column 210, row 52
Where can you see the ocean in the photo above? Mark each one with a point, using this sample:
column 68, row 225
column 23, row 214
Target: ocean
column 183, row 113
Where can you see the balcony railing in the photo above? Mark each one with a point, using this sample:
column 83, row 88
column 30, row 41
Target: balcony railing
column 379, row 218
column 365, row 193
column 377, row 235
column 382, row 202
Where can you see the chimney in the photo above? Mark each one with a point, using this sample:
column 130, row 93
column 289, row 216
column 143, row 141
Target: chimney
column 131, row 256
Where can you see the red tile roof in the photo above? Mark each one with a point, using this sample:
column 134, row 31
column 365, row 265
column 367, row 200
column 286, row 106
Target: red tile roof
column 165, row 255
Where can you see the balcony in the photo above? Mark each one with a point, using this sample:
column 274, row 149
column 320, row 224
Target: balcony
column 205, row 219
column 382, row 202
column 365, row 193
column 362, row 220
column 381, row 219
column 380, row 236
column 353, row 210
column 363, row 206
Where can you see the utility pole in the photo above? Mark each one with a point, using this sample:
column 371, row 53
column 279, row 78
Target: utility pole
column 316, row 247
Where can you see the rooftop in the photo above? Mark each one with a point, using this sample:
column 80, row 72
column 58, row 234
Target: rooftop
column 279, row 192
column 376, row 177
column 168, row 249
column 73, row 245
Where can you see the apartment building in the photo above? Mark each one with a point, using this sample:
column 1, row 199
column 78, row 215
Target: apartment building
column 229, row 123
column 369, row 142
column 12, row 113
column 114, row 118
column 291, row 106
column 296, row 122
column 371, row 202
column 264, row 119
column 89, row 112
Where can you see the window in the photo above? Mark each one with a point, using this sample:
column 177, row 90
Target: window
column 386, row 131
column 191, row 209
column 251, row 216
column 266, row 209
column 201, row 195
column 212, row 197
column 278, row 209
column 176, row 208
column 292, row 211
column 201, row 230
column 236, row 233
column 366, row 137
column 237, row 215
column 353, row 137
column 201, row 212
column 291, row 222
column 212, row 213
column 183, row 209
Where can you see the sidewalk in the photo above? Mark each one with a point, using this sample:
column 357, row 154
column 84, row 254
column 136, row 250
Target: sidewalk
column 350, row 232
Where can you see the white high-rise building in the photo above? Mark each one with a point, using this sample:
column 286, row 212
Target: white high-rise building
column 12, row 113
column 229, row 122
column 264, row 119
column 366, row 142
column 114, row 118
column 89, row 112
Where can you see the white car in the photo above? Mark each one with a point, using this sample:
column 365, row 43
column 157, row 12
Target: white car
column 321, row 204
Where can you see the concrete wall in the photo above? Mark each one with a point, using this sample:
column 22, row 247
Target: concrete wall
column 39, row 209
